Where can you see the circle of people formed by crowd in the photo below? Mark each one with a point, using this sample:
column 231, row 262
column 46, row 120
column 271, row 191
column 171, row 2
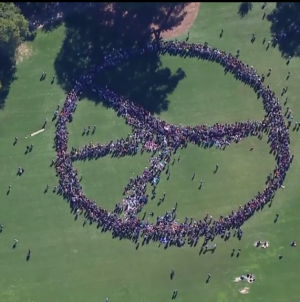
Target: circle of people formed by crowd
column 162, row 140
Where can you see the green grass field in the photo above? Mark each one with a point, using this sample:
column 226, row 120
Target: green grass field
column 72, row 263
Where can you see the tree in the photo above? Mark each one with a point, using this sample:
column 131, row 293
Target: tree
column 13, row 29
column 28, row 9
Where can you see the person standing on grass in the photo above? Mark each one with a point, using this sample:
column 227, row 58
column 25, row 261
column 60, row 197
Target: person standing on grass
column 286, row 100
column 188, row 36
column 45, row 123
column 172, row 273
column 270, row 70
column 208, row 277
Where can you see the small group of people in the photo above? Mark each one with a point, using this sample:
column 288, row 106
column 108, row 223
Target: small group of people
column 165, row 139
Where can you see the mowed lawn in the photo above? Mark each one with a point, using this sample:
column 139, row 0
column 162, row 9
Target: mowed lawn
column 72, row 263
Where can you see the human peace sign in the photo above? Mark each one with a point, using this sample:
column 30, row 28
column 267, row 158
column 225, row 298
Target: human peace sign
column 150, row 134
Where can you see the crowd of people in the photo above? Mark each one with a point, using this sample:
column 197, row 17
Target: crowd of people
column 162, row 140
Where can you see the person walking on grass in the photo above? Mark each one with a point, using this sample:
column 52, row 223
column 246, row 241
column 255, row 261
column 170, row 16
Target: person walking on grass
column 188, row 36
column 208, row 277
column 172, row 273
column 200, row 184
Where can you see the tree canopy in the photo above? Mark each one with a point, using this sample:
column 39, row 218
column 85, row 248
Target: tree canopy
column 30, row 8
column 13, row 30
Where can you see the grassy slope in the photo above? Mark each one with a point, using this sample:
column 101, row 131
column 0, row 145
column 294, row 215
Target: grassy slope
column 71, row 263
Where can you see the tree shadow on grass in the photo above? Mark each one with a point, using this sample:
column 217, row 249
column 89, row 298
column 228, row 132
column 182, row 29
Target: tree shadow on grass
column 244, row 8
column 7, row 76
column 285, row 26
column 97, row 32
column 8, row 73
column 52, row 25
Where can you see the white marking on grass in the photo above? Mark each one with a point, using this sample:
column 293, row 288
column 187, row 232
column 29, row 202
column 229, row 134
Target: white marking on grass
column 37, row 132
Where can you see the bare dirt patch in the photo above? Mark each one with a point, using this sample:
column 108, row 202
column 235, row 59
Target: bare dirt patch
column 186, row 13
column 23, row 52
